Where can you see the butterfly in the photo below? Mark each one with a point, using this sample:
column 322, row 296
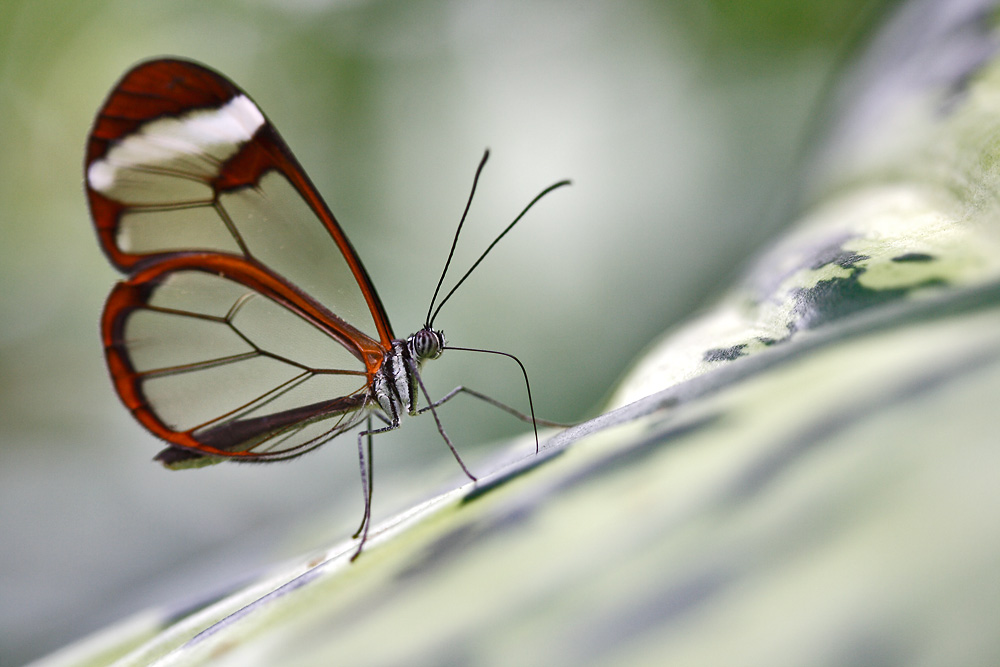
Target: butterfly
column 247, row 328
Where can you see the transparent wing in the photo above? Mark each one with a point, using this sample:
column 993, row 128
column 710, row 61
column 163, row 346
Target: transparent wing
column 180, row 159
column 248, row 327
column 231, row 361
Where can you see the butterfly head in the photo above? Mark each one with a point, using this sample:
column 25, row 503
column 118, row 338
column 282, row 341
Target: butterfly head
column 426, row 344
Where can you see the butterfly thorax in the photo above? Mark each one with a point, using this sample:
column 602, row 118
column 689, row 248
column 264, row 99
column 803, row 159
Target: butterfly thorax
column 395, row 386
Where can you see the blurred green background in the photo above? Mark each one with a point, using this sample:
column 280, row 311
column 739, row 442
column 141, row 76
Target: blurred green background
column 681, row 123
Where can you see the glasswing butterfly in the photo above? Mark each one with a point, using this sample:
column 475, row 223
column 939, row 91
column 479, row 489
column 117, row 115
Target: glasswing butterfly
column 247, row 327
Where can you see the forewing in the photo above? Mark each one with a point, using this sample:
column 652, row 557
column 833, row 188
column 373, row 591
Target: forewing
column 180, row 159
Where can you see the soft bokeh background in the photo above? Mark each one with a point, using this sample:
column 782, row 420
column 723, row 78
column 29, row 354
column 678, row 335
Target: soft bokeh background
column 680, row 122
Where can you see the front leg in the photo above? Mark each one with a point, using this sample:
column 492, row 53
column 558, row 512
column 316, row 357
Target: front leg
column 440, row 427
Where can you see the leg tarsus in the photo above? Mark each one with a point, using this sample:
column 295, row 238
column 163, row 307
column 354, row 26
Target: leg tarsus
column 366, row 481
column 461, row 389
column 492, row 401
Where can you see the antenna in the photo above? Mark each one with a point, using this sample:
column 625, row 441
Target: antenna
column 454, row 242
column 431, row 311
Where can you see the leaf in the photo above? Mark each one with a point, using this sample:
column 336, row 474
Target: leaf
column 803, row 474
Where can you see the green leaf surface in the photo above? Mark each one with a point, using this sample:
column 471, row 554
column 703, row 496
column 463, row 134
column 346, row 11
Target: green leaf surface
column 805, row 473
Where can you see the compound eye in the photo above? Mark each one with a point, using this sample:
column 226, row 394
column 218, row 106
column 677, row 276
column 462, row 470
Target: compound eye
column 426, row 344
